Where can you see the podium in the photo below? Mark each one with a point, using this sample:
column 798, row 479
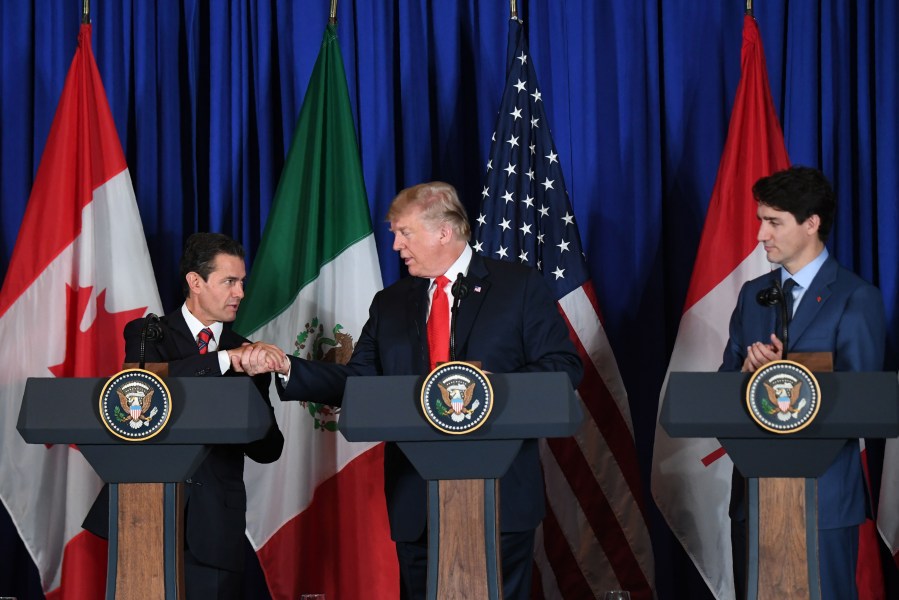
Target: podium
column 146, row 523
column 462, row 471
column 781, row 469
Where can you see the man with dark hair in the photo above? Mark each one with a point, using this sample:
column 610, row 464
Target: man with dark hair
column 833, row 311
column 509, row 323
column 197, row 341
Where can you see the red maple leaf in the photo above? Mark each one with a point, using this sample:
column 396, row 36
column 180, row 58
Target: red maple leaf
column 100, row 349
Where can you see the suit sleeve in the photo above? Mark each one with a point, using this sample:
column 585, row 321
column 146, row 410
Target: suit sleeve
column 735, row 349
column 200, row 365
column 322, row 382
column 548, row 345
column 861, row 332
column 268, row 449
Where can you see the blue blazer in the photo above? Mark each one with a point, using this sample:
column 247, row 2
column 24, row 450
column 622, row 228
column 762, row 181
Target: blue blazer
column 839, row 313
column 509, row 322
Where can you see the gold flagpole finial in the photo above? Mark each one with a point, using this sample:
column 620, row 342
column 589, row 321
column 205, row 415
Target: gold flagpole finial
column 513, row 7
column 333, row 17
column 749, row 7
column 86, row 12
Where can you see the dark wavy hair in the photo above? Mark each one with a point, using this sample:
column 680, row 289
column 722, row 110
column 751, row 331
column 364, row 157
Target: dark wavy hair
column 200, row 251
column 801, row 191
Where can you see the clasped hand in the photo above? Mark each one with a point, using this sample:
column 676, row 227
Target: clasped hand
column 259, row 357
column 760, row 353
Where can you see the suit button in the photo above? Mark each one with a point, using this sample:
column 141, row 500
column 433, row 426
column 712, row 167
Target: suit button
column 189, row 481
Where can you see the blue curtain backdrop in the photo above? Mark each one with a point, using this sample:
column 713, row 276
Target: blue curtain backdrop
column 205, row 96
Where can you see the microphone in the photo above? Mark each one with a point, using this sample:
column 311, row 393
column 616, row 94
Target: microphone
column 151, row 331
column 460, row 290
column 773, row 296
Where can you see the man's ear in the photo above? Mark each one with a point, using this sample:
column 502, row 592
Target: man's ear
column 193, row 281
column 812, row 224
column 446, row 233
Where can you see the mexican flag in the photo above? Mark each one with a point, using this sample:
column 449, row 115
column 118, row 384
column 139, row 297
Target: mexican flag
column 317, row 517
column 80, row 270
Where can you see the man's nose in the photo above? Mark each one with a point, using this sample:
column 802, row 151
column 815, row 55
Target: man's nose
column 238, row 290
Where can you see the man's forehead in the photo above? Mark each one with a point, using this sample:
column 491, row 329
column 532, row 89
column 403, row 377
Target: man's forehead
column 229, row 264
column 766, row 211
column 409, row 217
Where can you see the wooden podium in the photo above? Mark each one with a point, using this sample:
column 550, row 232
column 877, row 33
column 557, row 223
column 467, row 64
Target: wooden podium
column 462, row 471
column 781, row 469
column 146, row 545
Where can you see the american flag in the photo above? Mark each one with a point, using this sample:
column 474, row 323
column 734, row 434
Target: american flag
column 594, row 537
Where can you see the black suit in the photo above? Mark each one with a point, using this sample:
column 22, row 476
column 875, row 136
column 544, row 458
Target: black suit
column 215, row 515
column 509, row 322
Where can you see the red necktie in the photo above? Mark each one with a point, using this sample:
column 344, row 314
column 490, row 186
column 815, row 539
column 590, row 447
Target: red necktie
column 438, row 324
column 203, row 340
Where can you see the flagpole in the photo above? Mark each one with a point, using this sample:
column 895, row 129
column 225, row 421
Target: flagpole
column 86, row 12
column 749, row 7
column 333, row 17
column 513, row 6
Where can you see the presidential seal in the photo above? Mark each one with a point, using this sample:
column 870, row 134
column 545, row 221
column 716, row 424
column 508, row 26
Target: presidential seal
column 456, row 398
column 135, row 405
column 783, row 397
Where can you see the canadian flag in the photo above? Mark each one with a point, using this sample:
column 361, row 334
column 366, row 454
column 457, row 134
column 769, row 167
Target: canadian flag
column 690, row 476
column 80, row 270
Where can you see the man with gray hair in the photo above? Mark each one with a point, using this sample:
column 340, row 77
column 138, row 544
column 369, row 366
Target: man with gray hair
column 508, row 322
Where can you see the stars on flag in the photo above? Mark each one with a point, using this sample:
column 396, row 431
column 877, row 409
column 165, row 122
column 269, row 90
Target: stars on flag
column 518, row 200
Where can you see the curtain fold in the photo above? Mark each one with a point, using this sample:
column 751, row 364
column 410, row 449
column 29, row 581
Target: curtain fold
column 205, row 97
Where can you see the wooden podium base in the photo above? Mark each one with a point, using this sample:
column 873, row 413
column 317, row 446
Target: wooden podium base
column 782, row 536
column 146, row 541
column 464, row 540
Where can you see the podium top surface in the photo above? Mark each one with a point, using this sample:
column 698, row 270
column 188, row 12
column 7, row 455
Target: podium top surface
column 526, row 406
column 853, row 404
column 205, row 410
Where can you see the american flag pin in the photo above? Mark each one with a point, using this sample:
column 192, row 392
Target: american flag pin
column 477, row 289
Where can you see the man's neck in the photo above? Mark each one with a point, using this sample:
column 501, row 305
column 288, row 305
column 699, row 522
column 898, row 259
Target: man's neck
column 802, row 261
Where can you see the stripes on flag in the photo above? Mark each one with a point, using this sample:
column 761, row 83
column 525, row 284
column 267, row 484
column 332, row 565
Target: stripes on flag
column 594, row 536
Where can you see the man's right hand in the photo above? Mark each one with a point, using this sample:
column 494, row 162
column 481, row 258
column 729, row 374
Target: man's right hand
column 259, row 357
column 760, row 354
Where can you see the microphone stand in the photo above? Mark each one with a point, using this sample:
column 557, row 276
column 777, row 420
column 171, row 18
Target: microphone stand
column 784, row 317
column 460, row 290
column 150, row 331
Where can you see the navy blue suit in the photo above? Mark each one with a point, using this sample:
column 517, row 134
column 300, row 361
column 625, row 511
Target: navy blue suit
column 842, row 314
column 509, row 322
column 215, row 515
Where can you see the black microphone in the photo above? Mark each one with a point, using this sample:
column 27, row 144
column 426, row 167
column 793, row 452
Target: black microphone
column 460, row 290
column 151, row 331
column 772, row 296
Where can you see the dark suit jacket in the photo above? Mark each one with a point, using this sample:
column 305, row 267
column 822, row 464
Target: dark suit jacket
column 215, row 518
column 509, row 322
column 839, row 313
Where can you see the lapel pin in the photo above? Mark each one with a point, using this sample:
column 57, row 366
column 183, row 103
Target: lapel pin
column 477, row 290
column 819, row 299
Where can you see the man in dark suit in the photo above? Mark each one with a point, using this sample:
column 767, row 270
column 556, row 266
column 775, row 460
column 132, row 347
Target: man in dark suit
column 196, row 341
column 509, row 322
column 833, row 311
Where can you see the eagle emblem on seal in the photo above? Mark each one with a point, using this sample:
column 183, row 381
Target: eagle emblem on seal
column 135, row 403
column 784, row 398
column 457, row 398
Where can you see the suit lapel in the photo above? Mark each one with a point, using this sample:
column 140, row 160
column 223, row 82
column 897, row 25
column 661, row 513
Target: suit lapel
column 181, row 338
column 814, row 298
column 478, row 286
column 417, row 317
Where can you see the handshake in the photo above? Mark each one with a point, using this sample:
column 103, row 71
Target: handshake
column 259, row 357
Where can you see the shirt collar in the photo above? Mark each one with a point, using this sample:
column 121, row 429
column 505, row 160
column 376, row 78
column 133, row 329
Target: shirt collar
column 460, row 266
column 804, row 276
column 196, row 326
